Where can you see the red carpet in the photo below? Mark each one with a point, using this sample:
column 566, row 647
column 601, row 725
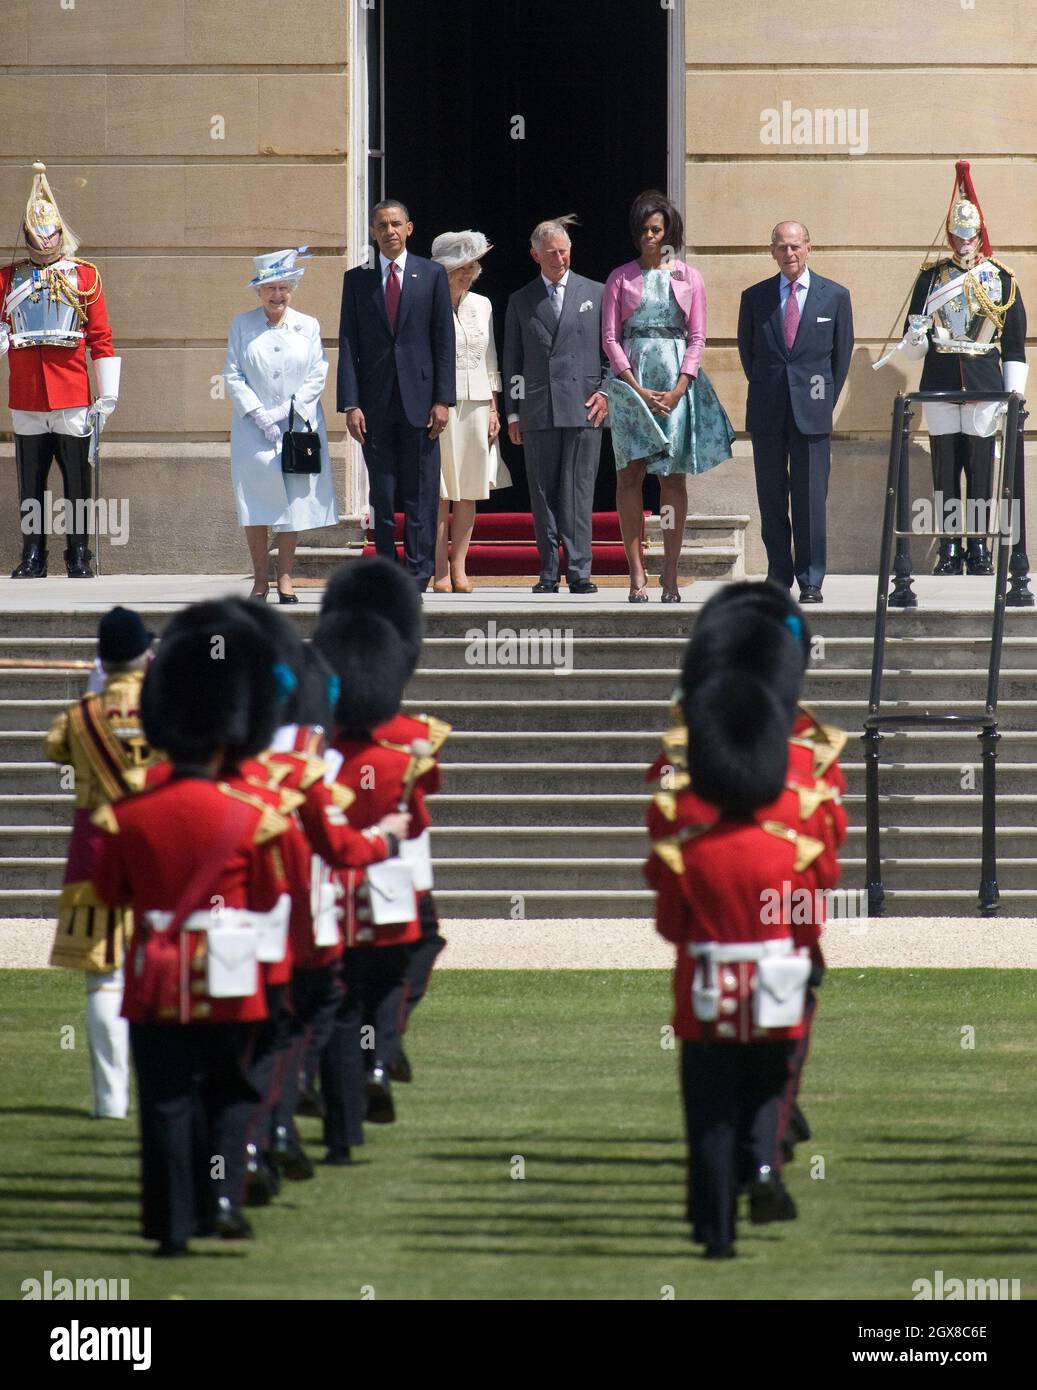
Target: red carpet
column 503, row 543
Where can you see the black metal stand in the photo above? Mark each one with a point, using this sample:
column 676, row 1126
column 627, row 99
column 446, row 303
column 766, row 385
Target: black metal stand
column 897, row 500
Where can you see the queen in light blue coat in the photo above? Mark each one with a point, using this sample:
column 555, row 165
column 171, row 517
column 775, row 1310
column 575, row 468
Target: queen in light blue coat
column 275, row 354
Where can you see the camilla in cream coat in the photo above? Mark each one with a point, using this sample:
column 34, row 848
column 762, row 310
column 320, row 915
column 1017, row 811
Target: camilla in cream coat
column 469, row 451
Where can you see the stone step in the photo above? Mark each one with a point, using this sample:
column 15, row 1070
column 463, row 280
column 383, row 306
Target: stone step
column 37, row 808
column 28, row 874
column 554, row 809
column 545, row 681
column 36, row 715
column 503, row 747
column 658, row 653
column 618, row 778
column 646, row 715
column 445, row 618
column 625, row 874
column 500, row 842
column 557, row 904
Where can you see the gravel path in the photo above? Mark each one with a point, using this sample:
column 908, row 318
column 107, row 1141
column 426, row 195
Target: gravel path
column 621, row 944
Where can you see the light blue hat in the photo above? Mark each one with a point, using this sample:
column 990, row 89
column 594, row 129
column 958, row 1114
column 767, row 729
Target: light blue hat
column 278, row 265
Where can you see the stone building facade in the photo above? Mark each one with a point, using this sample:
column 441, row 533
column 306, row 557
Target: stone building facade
column 182, row 137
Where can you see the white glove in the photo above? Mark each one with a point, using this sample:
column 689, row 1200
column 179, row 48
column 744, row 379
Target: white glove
column 264, row 421
column 5, row 339
column 280, row 412
column 101, row 409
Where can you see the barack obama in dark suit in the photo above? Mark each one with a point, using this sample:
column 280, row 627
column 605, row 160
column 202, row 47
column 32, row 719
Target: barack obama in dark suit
column 796, row 357
column 396, row 380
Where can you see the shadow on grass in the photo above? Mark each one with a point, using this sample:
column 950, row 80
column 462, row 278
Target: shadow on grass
column 52, row 1194
column 56, row 1111
column 591, row 1160
column 144, row 1249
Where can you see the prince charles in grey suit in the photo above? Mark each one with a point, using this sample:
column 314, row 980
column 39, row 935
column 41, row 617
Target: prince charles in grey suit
column 553, row 377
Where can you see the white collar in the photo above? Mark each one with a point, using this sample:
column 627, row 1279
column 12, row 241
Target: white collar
column 548, row 283
column 401, row 261
column 803, row 280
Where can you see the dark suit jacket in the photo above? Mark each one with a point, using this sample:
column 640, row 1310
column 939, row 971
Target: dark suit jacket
column 420, row 356
column 952, row 371
column 813, row 374
column 558, row 361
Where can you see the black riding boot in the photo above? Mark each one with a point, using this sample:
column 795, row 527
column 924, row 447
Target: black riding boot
column 979, row 478
column 34, row 454
column 74, row 462
column 946, row 481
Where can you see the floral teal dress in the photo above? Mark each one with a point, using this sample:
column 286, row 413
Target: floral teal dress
column 697, row 435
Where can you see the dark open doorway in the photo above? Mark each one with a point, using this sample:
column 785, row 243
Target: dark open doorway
column 585, row 86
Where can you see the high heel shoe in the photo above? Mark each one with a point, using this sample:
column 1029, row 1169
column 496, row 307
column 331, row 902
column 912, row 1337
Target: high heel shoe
column 638, row 595
column 442, row 586
column 282, row 597
column 462, row 586
column 671, row 595
column 257, row 596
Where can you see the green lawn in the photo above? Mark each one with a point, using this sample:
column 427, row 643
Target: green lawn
column 928, row 1152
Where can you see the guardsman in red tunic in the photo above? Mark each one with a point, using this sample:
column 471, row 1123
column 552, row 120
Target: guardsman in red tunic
column 811, row 801
column 727, row 877
column 52, row 310
column 101, row 740
column 199, row 861
column 378, row 586
column 379, row 906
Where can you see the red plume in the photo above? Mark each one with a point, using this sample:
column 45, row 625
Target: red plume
column 963, row 189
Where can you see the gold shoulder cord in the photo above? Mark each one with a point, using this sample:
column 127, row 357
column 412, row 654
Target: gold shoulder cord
column 61, row 287
column 979, row 301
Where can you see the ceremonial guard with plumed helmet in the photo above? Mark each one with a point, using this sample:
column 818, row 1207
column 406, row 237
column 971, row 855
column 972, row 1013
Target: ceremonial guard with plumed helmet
column 966, row 319
column 52, row 310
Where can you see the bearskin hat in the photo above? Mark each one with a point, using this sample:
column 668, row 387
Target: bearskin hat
column 758, row 632
column 375, row 585
column 212, row 685
column 373, row 664
column 737, row 743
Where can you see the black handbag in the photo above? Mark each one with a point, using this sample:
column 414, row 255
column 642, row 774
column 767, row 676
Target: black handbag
column 300, row 449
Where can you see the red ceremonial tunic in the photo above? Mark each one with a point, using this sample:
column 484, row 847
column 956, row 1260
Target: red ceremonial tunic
column 55, row 378
column 152, row 845
column 712, row 887
column 375, row 773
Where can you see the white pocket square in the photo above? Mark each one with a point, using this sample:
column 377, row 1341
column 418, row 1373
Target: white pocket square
column 824, row 320
column 587, row 304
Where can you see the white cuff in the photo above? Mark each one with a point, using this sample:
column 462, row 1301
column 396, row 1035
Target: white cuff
column 107, row 374
column 1015, row 374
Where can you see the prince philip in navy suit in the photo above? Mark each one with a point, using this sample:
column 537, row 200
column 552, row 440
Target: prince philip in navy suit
column 396, row 380
column 795, row 339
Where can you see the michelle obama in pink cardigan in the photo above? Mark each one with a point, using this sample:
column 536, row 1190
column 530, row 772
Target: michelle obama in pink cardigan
column 664, row 415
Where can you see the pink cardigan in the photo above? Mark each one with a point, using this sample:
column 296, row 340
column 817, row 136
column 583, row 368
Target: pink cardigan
column 623, row 291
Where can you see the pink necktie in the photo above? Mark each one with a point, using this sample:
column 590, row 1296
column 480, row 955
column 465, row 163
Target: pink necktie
column 392, row 296
column 791, row 317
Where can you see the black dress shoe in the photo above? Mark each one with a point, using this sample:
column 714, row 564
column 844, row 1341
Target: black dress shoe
column 978, row 559
column 401, row 1069
column 261, row 1183
column 337, row 1158
column 380, row 1107
column 169, row 1250
column 719, row 1252
column 769, row 1200
column 950, row 559
column 289, row 1157
column 287, row 598
column 77, row 562
column 543, row 588
column 810, row 593
column 583, row 586
column 232, row 1223
column 33, row 564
